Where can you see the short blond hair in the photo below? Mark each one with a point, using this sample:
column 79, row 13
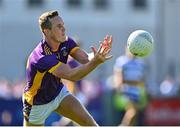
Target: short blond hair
column 44, row 22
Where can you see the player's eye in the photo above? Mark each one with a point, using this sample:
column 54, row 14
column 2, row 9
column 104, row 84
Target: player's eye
column 59, row 26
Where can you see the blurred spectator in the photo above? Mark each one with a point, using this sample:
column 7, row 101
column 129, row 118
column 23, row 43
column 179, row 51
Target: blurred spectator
column 168, row 87
column 129, row 79
column 6, row 117
column 10, row 103
column 6, row 89
column 93, row 92
column 17, row 89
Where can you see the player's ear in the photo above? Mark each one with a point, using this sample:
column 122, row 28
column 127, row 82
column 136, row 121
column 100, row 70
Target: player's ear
column 46, row 31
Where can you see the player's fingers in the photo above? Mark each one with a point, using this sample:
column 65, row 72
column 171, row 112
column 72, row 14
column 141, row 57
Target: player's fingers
column 94, row 49
column 106, row 39
column 110, row 40
column 109, row 57
column 100, row 48
column 106, row 50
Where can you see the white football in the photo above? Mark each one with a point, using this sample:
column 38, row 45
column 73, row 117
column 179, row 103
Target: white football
column 140, row 43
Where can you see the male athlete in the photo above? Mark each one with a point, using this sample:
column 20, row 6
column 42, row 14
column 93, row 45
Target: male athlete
column 46, row 66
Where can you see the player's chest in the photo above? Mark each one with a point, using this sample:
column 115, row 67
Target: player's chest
column 62, row 54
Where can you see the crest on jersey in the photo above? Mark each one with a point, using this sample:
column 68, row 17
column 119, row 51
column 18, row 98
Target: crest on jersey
column 64, row 51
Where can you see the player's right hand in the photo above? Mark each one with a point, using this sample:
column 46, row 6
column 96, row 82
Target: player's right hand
column 101, row 55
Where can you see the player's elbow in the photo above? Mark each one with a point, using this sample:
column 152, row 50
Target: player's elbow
column 74, row 80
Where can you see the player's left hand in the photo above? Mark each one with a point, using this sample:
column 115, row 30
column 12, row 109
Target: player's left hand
column 107, row 43
column 104, row 49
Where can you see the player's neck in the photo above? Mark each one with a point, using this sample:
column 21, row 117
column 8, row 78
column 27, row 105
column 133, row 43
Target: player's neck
column 53, row 44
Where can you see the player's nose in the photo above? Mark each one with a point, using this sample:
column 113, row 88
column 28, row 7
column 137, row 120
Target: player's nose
column 63, row 29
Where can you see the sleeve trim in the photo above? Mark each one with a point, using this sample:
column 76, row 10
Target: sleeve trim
column 74, row 50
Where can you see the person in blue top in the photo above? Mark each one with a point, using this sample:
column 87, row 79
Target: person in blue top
column 47, row 65
column 129, row 81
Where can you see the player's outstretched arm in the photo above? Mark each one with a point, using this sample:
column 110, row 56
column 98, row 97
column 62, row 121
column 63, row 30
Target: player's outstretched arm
column 100, row 56
column 82, row 56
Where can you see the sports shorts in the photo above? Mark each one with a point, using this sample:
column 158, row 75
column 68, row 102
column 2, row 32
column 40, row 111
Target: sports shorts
column 39, row 113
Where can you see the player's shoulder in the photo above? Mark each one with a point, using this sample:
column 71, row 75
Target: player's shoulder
column 69, row 43
column 121, row 61
column 38, row 49
column 41, row 51
column 122, row 58
column 69, row 39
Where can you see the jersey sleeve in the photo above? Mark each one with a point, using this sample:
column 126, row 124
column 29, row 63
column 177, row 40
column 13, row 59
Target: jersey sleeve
column 72, row 45
column 47, row 63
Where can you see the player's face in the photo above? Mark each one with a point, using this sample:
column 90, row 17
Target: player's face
column 57, row 31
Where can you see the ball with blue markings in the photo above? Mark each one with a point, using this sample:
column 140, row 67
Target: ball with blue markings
column 140, row 43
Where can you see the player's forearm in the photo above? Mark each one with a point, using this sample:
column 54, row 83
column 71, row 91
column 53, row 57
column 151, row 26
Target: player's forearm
column 83, row 70
column 84, row 60
column 81, row 56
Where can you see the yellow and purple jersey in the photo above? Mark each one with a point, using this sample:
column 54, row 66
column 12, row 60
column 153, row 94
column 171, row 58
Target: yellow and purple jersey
column 42, row 86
